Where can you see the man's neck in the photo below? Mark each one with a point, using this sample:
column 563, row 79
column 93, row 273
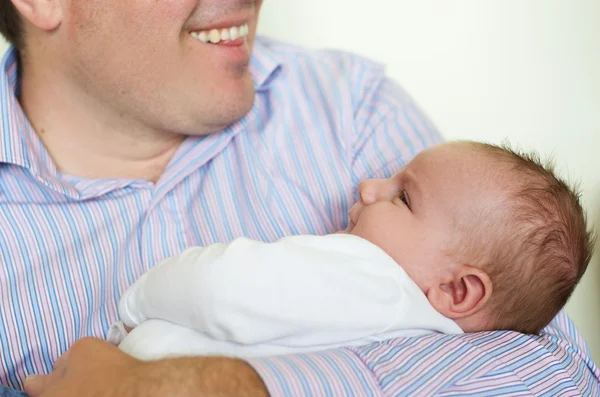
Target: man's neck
column 89, row 140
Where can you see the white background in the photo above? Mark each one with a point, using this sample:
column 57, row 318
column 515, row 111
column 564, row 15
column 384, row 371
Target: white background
column 526, row 70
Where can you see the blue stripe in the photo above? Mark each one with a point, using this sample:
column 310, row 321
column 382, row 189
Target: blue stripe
column 281, row 380
column 271, row 194
column 323, row 381
column 281, row 98
column 75, row 238
column 299, row 376
column 331, row 122
column 238, row 185
column 191, row 197
column 361, row 373
column 8, row 359
column 43, row 260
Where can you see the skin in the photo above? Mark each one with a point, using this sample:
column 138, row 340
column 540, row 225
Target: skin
column 412, row 217
column 127, row 82
column 112, row 373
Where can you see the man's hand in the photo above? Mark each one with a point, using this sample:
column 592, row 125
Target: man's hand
column 93, row 367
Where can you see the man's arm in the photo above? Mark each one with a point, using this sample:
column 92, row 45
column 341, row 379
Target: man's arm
column 95, row 368
column 482, row 364
column 491, row 363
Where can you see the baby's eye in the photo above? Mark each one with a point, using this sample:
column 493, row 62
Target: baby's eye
column 403, row 196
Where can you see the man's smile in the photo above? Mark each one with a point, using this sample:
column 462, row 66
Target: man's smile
column 224, row 35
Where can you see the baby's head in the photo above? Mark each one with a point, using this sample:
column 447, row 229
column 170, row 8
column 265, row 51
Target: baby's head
column 492, row 237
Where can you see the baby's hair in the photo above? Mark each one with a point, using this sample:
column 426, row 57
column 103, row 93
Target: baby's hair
column 546, row 244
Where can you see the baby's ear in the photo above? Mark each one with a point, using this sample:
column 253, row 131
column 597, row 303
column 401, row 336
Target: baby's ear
column 464, row 295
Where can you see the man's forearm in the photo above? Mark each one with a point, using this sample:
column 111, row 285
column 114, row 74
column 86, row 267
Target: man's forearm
column 203, row 376
column 93, row 367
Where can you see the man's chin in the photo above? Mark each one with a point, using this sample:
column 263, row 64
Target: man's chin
column 218, row 124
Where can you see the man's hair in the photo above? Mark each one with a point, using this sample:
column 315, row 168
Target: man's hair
column 541, row 246
column 11, row 26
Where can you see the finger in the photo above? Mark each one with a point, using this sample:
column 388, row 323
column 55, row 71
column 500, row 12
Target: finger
column 88, row 347
column 36, row 385
column 61, row 363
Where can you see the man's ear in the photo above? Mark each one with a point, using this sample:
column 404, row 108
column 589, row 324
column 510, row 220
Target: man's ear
column 43, row 14
column 464, row 295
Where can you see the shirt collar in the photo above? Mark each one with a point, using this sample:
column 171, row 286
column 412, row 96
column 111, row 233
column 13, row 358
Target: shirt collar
column 19, row 144
column 264, row 64
column 14, row 149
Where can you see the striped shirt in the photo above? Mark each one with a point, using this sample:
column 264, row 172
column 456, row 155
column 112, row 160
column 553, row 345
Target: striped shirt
column 321, row 122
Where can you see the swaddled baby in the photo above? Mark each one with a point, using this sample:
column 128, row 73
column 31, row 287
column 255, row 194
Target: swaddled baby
column 467, row 237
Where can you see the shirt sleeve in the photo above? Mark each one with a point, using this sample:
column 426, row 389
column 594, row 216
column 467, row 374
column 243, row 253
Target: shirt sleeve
column 480, row 364
column 338, row 372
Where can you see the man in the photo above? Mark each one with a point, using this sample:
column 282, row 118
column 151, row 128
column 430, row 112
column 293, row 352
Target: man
column 134, row 129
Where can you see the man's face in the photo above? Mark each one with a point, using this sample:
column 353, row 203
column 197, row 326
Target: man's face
column 417, row 225
column 147, row 60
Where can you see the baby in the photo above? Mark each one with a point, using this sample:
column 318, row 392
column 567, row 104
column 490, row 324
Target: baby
column 467, row 237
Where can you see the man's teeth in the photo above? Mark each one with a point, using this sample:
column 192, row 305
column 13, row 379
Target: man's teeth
column 215, row 36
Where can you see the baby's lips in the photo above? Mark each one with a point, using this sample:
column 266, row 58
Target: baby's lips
column 350, row 227
column 354, row 213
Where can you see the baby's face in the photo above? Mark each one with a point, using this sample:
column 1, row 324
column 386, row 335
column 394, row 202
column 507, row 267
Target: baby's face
column 414, row 220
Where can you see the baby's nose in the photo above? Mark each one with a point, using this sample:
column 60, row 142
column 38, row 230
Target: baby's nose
column 373, row 190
